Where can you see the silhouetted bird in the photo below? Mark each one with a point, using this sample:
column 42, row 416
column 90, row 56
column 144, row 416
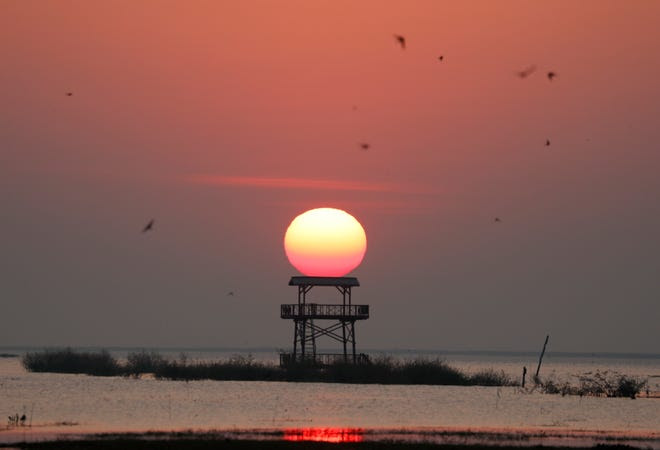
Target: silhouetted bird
column 148, row 226
column 401, row 40
column 23, row 419
column 547, row 142
column 364, row 146
column 69, row 94
column 526, row 72
column 230, row 294
column 497, row 219
column 441, row 57
column 551, row 75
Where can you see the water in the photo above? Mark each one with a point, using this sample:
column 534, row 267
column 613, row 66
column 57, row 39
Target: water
column 80, row 403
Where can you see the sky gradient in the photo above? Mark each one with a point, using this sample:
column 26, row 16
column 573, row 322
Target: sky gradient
column 223, row 120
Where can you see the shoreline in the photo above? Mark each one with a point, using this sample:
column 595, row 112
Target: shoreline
column 318, row 436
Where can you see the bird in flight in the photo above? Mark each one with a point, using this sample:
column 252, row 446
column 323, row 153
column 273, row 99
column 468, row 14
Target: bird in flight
column 547, row 142
column 149, row 226
column 551, row 75
column 364, row 145
column 441, row 57
column 497, row 219
column 230, row 294
column 401, row 40
column 69, row 94
column 526, row 72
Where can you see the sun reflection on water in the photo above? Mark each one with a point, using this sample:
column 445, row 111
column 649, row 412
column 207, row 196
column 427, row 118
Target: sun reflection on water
column 323, row 434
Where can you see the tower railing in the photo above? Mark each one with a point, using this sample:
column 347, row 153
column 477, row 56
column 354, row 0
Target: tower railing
column 324, row 311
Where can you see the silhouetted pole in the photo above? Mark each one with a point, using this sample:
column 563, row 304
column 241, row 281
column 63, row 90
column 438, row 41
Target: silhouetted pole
column 541, row 358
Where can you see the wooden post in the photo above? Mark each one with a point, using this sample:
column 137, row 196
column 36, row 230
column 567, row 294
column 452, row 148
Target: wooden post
column 541, row 358
column 524, row 375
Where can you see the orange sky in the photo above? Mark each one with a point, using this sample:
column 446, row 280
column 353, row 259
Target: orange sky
column 224, row 120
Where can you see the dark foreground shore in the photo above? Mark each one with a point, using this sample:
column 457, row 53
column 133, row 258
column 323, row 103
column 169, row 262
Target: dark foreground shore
column 337, row 438
column 204, row 444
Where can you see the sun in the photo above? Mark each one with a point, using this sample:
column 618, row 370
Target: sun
column 325, row 242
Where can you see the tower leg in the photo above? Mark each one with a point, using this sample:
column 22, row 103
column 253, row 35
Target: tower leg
column 295, row 340
column 311, row 323
column 353, row 335
column 343, row 332
column 302, row 340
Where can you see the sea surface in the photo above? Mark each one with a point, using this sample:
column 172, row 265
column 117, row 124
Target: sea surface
column 79, row 403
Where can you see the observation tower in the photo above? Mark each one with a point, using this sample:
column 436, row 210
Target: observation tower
column 313, row 320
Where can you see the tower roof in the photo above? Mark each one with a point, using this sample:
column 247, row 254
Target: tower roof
column 324, row 281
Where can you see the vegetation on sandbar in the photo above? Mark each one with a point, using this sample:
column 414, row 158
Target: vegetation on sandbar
column 598, row 384
column 382, row 370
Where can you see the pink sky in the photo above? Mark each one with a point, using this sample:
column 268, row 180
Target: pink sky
column 224, row 120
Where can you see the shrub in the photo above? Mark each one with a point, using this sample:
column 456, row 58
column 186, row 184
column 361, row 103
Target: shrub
column 67, row 361
column 599, row 384
column 629, row 386
column 490, row 377
column 426, row 371
column 143, row 362
column 550, row 386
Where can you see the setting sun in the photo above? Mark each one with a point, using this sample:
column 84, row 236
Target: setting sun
column 325, row 242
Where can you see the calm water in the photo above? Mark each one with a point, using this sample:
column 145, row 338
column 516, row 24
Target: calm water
column 79, row 403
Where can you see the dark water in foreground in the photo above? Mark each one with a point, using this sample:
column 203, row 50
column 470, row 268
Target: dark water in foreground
column 79, row 404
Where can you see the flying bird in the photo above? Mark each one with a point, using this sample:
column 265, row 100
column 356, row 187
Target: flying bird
column 551, row 75
column 401, row 40
column 526, row 72
column 149, row 226
column 441, row 57
column 230, row 294
column 497, row 219
column 547, row 142
column 364, row 145
column 69, row 94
